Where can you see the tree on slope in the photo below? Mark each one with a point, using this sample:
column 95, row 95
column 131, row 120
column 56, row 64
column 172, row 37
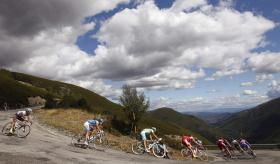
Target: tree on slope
column 134, row 104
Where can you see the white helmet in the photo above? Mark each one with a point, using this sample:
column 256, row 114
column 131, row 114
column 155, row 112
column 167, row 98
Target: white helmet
column 155, row 129
column 100, row 121
column 29, row 110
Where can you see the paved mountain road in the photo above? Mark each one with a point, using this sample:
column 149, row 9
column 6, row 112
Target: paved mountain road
column 44, row 145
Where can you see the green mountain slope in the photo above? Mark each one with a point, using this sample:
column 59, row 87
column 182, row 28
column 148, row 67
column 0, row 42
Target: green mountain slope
column 189, row 122
column 260, row 124
column 17, row 87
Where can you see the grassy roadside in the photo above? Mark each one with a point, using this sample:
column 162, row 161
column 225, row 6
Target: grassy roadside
column 72, row 120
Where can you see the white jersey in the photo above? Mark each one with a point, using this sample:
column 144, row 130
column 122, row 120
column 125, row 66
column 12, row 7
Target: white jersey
column 148, row 131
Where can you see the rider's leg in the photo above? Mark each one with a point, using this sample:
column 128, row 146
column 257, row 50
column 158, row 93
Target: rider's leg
column 193, row 151
column 13, row 124
column 87, row 129
column 144, row 139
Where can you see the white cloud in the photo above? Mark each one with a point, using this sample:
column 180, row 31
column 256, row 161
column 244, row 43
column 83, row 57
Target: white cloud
column 249, row 92
column 274, row 91
column 266, row 62
column 144, row 46
column 247, row 84
column 99, row 87
column 170, row 77
column 150, row 40
column 41, row 38
column 263, row 77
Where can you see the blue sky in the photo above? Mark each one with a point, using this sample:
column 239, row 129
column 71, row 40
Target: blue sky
column 190, row 55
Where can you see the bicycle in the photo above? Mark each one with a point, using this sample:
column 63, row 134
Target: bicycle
column 249, row 151
column 22, row 128
column 158, row 148
column 199, row 151
column 98, row 141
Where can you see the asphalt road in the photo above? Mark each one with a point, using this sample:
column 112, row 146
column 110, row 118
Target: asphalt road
column 47, row 146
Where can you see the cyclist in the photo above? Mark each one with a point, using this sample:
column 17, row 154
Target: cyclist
column 236, row 145
column 21, row 116
column 244, row 144
column 222, row 144
column 90, row 125
column 148, row 133
column 187, row 140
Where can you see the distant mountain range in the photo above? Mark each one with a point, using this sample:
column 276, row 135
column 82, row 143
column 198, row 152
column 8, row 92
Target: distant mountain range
column 211, row 118
column 260, row 124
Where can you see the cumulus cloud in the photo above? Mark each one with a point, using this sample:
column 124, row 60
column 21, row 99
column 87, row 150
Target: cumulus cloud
column 264, row 77
column 247, row 84
column 249, row 92
column 150, row 39
column 143, row 46
column 266, row 62
column 170, row 77
column 39, row 37
column 274, row 91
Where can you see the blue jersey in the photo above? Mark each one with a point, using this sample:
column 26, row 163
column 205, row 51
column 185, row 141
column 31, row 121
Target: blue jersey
column 93, row 122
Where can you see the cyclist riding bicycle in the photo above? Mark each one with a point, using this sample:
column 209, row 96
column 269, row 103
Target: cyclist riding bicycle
column 223, row 144
column 23, row 115
column 91, row 125
column 236, row 145
column 244, row 144
column 187, row 141
column 147, row 134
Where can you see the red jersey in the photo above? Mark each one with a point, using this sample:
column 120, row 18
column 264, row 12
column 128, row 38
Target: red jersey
column 187, row 138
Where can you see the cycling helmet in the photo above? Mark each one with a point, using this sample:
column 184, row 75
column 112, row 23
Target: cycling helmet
column 100, row 120
column 155, row 129
column 29, row 110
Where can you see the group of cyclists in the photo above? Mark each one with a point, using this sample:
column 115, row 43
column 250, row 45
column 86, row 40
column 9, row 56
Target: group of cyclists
column 147, row 135
column 228, row 148
column 191, row 142
column 89, row 126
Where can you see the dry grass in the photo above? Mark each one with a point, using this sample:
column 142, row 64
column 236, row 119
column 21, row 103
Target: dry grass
column 72, row 120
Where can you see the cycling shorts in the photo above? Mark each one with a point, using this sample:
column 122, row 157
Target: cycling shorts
column 143, row 136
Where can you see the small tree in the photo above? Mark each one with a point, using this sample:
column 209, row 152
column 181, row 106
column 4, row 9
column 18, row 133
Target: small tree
column 135, row 105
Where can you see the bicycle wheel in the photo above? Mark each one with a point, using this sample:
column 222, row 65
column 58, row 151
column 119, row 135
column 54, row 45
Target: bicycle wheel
column 79, row 141
column 6, row 128
column 138, row 148
column 159, row 150
column 202, row 155
column 23, row 131
column 186, row 153
column 101, row 143
column 251, row 153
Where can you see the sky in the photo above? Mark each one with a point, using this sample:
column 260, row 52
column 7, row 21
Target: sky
column 189, row 55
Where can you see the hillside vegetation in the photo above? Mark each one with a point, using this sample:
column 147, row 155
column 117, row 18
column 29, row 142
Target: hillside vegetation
column 260, row 124
column 186, row 121
column 17, row 87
